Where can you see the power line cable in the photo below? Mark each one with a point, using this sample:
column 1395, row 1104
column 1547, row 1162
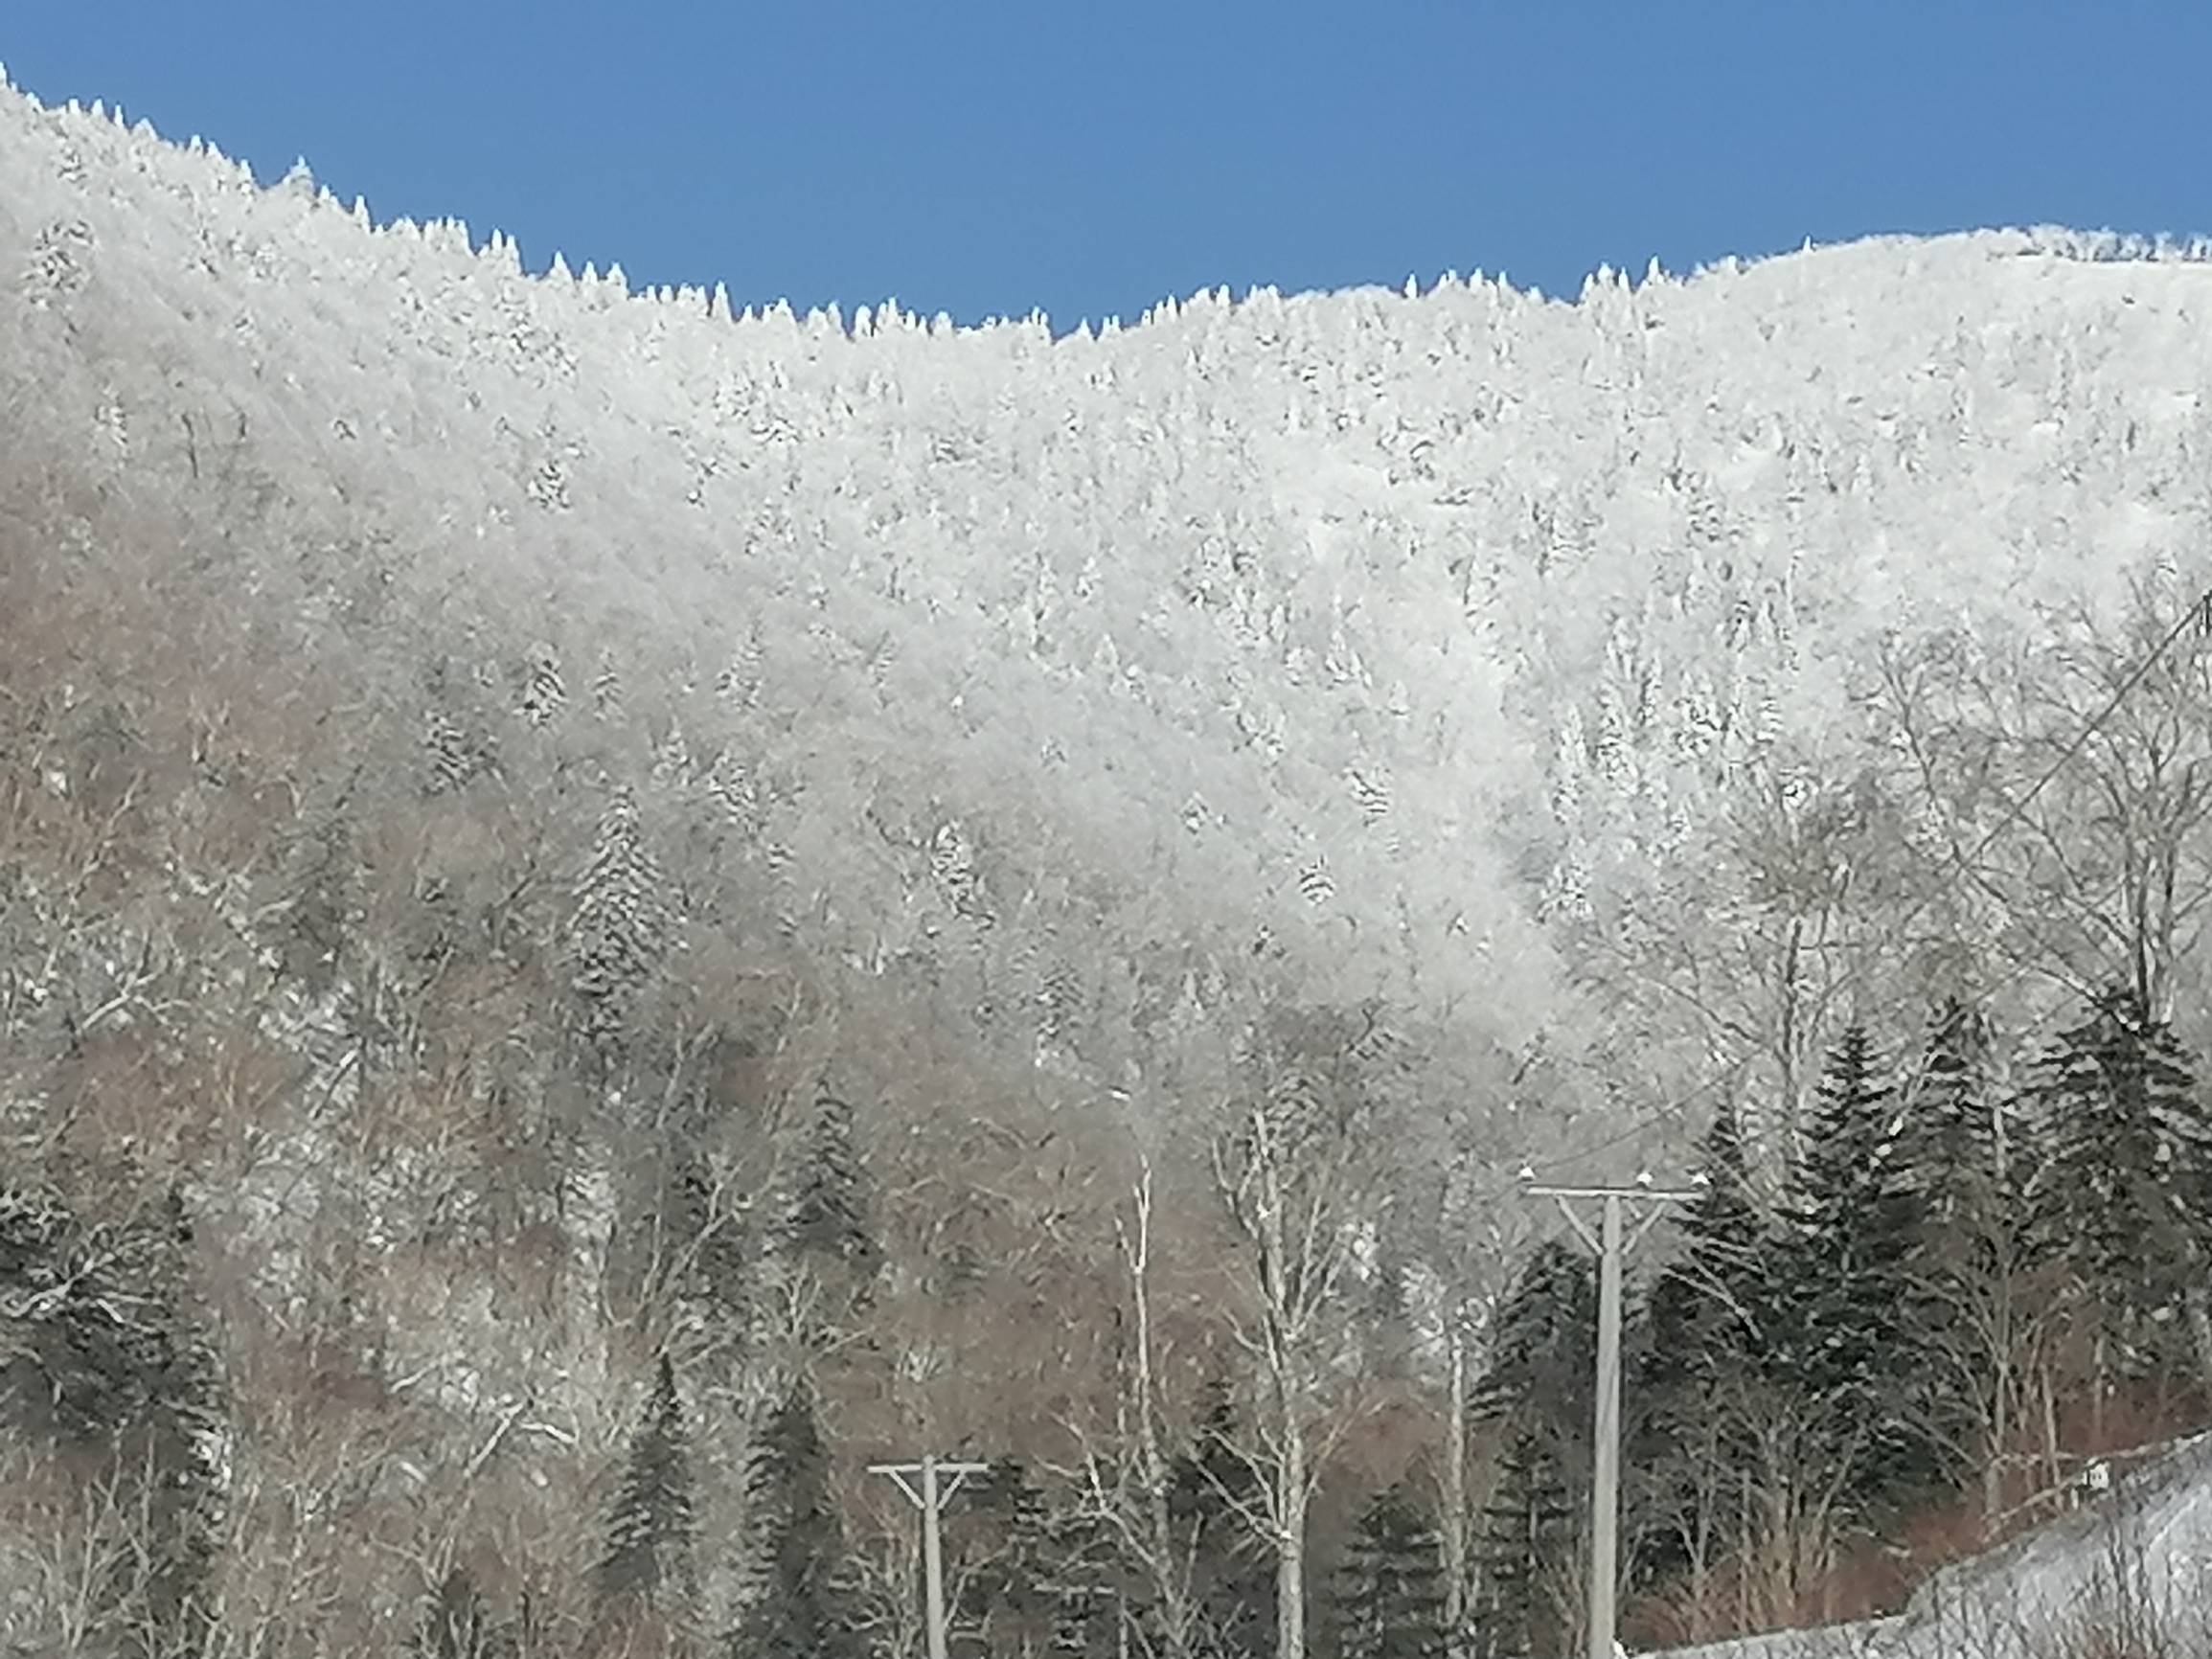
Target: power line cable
column 2198, row 616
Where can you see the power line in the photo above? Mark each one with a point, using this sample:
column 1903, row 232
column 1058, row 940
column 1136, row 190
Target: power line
column 2196, row 616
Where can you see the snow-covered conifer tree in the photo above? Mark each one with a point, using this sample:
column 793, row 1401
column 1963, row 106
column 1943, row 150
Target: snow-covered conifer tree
column 621, row 921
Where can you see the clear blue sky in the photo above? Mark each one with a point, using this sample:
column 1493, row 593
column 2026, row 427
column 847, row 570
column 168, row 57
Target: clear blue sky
column 984, row 158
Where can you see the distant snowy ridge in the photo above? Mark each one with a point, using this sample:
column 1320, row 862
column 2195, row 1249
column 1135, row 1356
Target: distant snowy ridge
column 1372, row 635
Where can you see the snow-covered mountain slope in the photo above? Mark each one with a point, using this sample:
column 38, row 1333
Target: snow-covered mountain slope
column 1353, row 639
column 2129, row 1571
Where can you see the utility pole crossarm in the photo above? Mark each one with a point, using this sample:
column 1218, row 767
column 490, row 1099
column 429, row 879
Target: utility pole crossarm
column 1609, row 1244
column 1649, row 1194
column 900, row 1471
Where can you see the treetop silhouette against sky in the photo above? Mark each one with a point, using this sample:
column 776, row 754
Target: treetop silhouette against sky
column 981, row 158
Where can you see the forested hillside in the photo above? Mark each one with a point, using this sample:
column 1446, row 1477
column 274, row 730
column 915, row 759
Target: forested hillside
column 609, row 912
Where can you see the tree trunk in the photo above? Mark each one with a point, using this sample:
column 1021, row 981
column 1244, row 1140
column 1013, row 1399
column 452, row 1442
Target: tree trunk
column 2097, row 1397
column 1454, row 1517
column 1168, row 1585
column 2050, row 1432
column 1290, row 1496
column 1708, row 1497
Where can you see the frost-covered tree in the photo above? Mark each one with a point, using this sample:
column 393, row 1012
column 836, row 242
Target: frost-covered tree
column 1293, row 1174
column 544, row 690
column 606, row 686
column 619, row 924
column 1211, row 656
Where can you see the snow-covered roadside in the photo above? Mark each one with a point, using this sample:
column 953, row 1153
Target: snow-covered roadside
column 2130, row 1572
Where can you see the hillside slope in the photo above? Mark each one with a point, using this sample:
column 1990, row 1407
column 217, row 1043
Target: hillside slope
column 1372, row 618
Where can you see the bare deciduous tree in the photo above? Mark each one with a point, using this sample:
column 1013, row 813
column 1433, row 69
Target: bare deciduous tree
column 1294, row 1171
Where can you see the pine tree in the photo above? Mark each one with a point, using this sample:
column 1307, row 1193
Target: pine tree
column 545, row 691
column 1544, row 1355
column 621, row 924
column 1007, row 1535
column 1709, row 1308
column 1387, row 1598
column 1088, row 1595
column 799, row 1612
column 2123, row 1197
column 1838, row 1334
column 651, row 1529
column 1525, row 1555
column 1953, row 1150
column 452, row 757
column 1957, row 1160
column 1539, row 1384
column 456, row 1625
column 1702, row 1339
column 176, row 1439
column 829, row 1218
column 607, row 688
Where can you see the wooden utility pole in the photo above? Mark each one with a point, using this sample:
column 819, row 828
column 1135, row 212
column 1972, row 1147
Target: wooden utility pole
column 930, row 1499
column 1608, row 1246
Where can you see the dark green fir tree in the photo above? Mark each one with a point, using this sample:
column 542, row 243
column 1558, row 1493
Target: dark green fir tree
column 801, row 1610
column 1957, row 1160
column 1544, row 1355
column 1709, row 1307
column 1526, row 1556
column 2122, row 1199
column 1386, row 1598
column 651, row 1528
column 1953, row 1146
column 828, row 1215
column 1840, row 1334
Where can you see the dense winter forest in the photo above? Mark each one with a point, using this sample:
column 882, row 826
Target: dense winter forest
column 609, row 913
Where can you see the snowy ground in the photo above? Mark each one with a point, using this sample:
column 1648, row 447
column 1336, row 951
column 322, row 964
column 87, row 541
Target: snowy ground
column 2127, row 1574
